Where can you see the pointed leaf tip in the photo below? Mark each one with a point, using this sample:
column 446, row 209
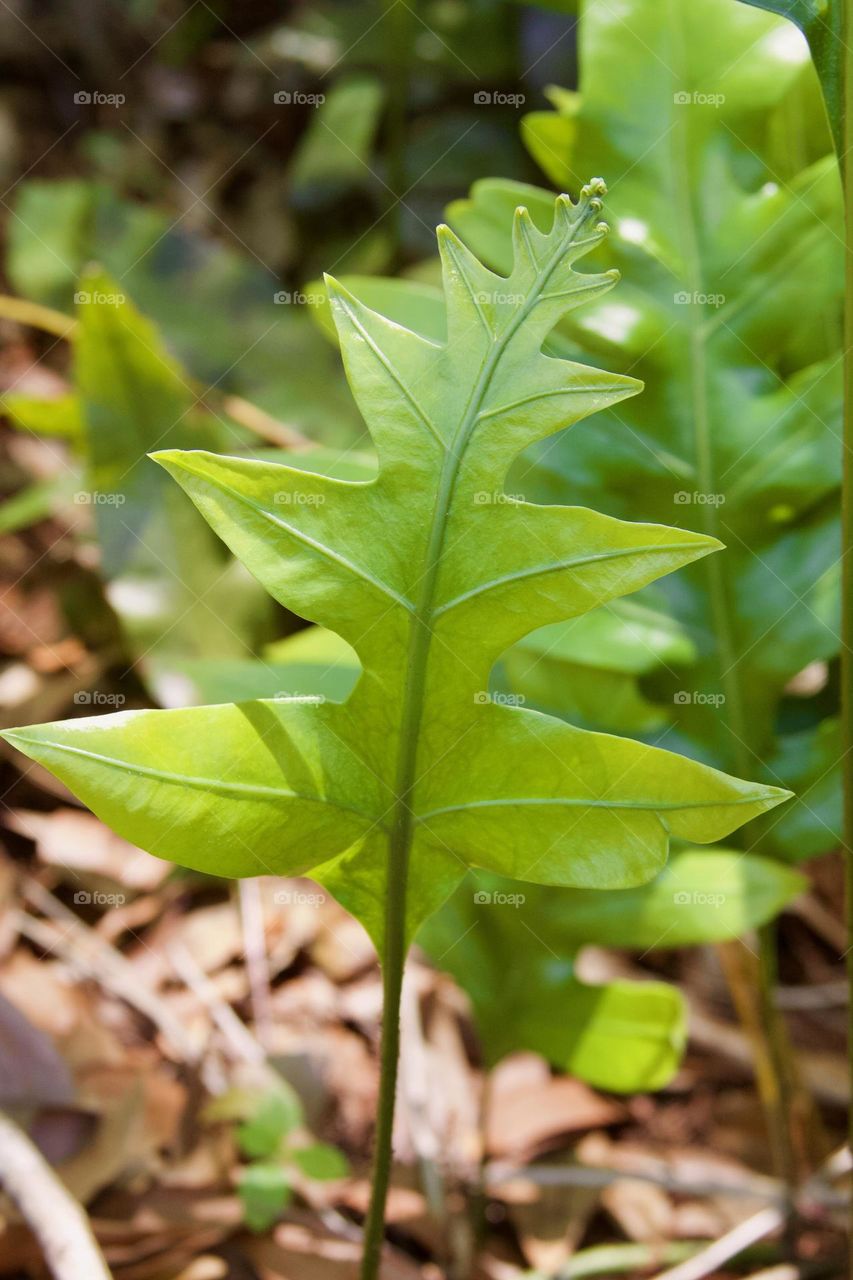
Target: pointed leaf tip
column 164, row 456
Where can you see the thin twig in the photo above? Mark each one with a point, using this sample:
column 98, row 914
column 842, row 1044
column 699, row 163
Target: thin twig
column 257, row 961
column 248, row 415
column 754, row 1187
column 53, row 1215
column 244, row 1047
column 824, row 995
column 704, row 1264
column 263, row 424
column 87, row 953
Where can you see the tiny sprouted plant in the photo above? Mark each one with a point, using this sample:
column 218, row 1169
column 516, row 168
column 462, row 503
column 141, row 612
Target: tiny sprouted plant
column 430, row 571
column 270, row 1133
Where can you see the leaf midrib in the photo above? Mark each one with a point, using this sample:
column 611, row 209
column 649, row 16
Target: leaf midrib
column 217, row 785
column 301, row 536
column 402, row 818
column 540, row 570
column 578, row 802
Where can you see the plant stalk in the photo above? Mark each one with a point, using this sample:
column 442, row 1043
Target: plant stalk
column 395, row 940
column 392, row 987
column 847, row 529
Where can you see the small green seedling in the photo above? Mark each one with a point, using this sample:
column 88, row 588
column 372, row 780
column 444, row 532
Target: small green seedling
column 271, row 1136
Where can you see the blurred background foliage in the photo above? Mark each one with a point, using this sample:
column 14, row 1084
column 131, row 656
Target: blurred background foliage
column 177, row 176
column 210, row 161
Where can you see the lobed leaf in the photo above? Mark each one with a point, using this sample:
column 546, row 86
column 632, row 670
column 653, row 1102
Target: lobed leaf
column 429, row 571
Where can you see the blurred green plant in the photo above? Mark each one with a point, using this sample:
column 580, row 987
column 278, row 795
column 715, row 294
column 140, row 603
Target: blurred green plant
column 225, row 317
column 279, row 1152
column 177, row 595
column 624, row 1036
column 827, row 25
column 738, row 433
column 730, row 311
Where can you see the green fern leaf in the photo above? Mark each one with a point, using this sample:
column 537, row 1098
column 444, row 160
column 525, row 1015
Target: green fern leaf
column 429, row 571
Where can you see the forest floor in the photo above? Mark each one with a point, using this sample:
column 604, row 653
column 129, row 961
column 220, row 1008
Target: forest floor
column 132, row 995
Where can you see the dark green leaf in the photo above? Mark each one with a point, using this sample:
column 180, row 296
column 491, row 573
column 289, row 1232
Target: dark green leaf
column 216, row 307
column 821, row 22
column 624, row 1036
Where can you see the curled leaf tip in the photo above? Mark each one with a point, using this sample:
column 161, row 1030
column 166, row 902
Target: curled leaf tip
column 595, row 187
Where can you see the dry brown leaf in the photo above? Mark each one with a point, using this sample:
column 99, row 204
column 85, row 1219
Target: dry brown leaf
column 530, row 1109
column 679, row 1174
column 342, row 949
column 32, row 1073
column 212, row 935
column 118, row 1139
column 76, row 840
column 206, row 1268
column 308, row 1251
column 28, row 619
column 43, row 991
column 642, row 1211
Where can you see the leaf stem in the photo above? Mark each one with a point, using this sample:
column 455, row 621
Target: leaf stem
column 846, row 131
column 403, row 819
column 392, row 986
